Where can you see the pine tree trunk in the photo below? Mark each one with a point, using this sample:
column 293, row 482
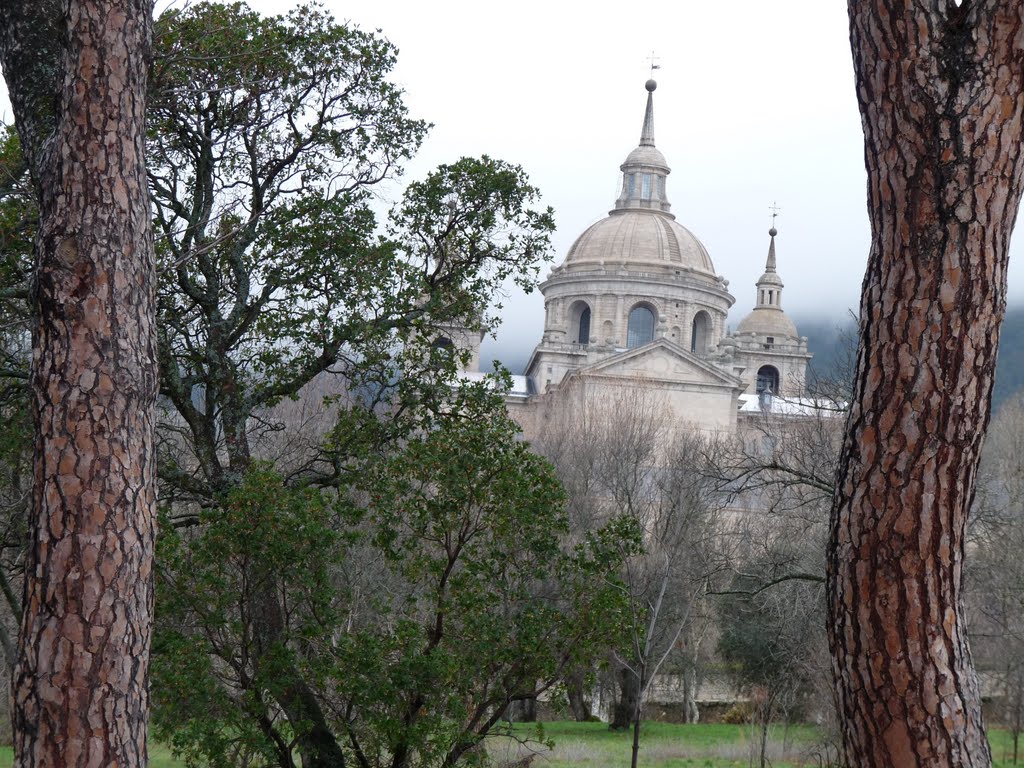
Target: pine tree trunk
column 80, row 687
column 939, row 87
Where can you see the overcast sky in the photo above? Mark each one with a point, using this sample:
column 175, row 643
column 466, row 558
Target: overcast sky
column 754, row 104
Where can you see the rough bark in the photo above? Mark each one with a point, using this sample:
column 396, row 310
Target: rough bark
column 940, row 92
column 80, row 686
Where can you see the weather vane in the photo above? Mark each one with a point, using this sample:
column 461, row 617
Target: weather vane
column 774, row 208
column 654, row 65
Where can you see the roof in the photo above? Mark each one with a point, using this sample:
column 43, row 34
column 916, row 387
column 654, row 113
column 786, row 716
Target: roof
column 792, row 406
column 767, row 321
column 520, row 384
column 628, row 236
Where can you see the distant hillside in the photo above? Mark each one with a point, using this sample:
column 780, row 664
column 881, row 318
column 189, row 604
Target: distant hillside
column 1010, row 368
column 831, row 340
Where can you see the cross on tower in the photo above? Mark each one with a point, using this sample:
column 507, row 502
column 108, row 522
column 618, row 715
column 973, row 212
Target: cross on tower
column 654, row 65
column 774, row 208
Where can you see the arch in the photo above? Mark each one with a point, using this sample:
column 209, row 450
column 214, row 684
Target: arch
column 700, row 333
column 768, row 379
column 579, row 322
column 640, row 329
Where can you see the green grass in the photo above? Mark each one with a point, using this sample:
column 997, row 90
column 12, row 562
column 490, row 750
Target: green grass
column 159, row 757
column 662, row 745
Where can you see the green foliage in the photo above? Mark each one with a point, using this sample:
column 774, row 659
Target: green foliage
column 310, row 602
column 264, row 535
column 18, row 215
column 266, row 134
column 770, row 639
column 420, row 604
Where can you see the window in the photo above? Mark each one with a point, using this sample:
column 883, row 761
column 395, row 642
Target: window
column 631, row 181
column 699, row 333
column 640, row 330
column 646, row 193
column 442, row 350
column 579, row 323
column 583, row 337
column 767, row 380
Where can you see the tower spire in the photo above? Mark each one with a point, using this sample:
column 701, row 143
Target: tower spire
column 645, row 169
column 770, row 263
column 647, row 132
column 769, row 287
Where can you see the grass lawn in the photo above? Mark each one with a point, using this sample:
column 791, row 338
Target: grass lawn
column 159, row 757
column 663, row 745
column 592, row 745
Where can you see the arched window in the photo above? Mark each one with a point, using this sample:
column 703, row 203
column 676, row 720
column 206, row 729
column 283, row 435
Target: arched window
column 699, row 333
column 442, row 350
column 583, row 337
column 767, row 380
column 579, row 323
column 640, row 330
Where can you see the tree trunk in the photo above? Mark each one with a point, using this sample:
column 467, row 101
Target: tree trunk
column 575, row 691
column 522, row 711
column 638, row 714
column 625, row 707
column 939, row 88
column 80, row 687
column 691, row 710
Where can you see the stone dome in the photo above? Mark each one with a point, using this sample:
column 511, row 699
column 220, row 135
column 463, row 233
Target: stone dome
column 767, row 321
column 640, row 237
column 646, row 156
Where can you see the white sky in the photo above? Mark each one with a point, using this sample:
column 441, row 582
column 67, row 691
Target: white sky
column 755, row 104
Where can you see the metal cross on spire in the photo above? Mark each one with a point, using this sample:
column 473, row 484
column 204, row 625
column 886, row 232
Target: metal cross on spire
column 654, row 63
column 774, row 208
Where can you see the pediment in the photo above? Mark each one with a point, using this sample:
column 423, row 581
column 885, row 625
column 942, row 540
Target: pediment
column 662, row 360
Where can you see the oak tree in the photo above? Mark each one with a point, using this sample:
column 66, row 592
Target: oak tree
column 267, row 135
column 940, row 86
column 76, row 73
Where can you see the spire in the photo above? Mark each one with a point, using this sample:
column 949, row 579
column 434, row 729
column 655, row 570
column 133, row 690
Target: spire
column 645, row 169
column 769, row 286
column 647, row 132
column 770, row 264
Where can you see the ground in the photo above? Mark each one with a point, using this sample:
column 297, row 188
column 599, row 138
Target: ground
column 592, row 745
